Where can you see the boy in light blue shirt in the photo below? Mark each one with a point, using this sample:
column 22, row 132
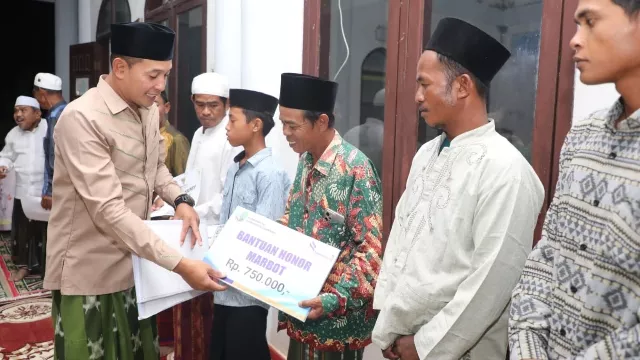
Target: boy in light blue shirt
column 256, row 182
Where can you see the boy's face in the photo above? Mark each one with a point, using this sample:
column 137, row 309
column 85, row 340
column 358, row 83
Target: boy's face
column 239, row 131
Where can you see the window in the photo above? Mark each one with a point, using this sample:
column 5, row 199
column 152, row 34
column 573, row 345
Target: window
column 188, row 19
column 111, row 12
column 372, row 74
column 357, row 58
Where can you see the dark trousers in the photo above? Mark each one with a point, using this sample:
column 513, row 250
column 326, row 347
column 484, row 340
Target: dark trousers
column 29, row 239
column 239, row 333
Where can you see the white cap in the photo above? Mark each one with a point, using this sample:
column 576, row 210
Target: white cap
column 210, row 84
column 378, row 98
column 27, row 101
column 48, row 81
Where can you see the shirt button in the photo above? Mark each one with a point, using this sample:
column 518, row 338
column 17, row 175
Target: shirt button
column 573, row 289
column 596, row 202
column 612, row 155
column 583, row 247
column 563, row 332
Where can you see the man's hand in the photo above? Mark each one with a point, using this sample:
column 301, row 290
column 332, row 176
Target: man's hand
column 199, row 275
column 191, row 220
column 3, row 172
column 390, row 353
column 157, row 204
column 406, row 348
column 46, row 202
column 316, row 307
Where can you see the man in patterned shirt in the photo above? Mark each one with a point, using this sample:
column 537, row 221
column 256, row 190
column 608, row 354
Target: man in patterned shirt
column 579, row 294
column 336, row 198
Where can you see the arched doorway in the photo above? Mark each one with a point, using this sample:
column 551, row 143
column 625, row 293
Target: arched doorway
column 368, row 136
column 188, row 18
column 111, row 12
column 372, row 77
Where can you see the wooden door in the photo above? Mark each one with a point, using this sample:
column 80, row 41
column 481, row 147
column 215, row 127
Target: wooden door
column 87, row 62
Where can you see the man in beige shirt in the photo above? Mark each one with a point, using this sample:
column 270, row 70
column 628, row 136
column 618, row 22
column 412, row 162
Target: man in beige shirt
column 109, row 161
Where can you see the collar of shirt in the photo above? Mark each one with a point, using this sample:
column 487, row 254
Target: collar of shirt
column 256, row 158
column 324, row 164
column 34, row 129
column 114, row 102
column 55, row 107
column 630, row 123
column 472, row 136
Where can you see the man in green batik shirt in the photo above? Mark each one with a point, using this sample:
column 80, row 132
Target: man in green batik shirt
column 336, row 198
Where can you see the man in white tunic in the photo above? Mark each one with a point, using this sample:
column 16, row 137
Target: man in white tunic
column 24, row 153
column 465, row 223
column 211, row 155
column 210, row 152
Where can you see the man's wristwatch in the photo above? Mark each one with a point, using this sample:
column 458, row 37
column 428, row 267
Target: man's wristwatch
column 184, row 198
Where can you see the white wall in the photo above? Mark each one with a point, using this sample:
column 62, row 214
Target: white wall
column 589, row 98
column 253, row 50
column 137, row 9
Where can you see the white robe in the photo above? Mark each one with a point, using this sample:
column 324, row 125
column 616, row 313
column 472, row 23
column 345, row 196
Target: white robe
column 462, row 232
column 212, row 154
column 24, row 153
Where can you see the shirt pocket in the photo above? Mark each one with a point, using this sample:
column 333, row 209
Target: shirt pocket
column 326, row 228
column 248, row 200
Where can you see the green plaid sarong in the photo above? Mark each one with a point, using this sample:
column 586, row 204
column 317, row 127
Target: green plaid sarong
column 102, row 327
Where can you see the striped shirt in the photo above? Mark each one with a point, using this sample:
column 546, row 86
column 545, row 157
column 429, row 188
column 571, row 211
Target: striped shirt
column 259, row 185
column 579, row 294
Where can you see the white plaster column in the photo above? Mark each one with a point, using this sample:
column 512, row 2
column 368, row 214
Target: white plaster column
column 84, row 21
column 211, row 34
column 272, row 45
column 66, row 34
column 228, row 40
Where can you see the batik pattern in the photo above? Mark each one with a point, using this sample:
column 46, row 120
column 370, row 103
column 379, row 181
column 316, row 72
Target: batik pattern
column 345, row 181
column 579, row 295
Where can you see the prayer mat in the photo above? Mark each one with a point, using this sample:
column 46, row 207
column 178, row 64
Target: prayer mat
column 30, row 286
column 26, row 329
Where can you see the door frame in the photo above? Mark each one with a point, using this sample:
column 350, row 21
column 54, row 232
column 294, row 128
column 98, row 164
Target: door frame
column 554, row 94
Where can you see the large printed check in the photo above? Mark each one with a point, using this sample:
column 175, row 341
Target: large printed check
column 271, row 262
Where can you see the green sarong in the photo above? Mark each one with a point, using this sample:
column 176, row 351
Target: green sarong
column 104, row 327
column 300, row 351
